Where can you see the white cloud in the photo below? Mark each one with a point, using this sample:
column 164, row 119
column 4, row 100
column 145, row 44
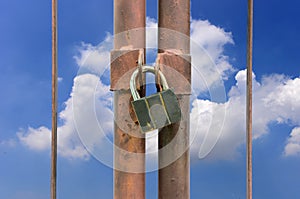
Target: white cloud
column 208, row 59
column 36, row 139
column 210, row 37
column 272, row 102
column 95, row 59
column 284, row 99
column 77, row 115
column 151, row 33
column 292, row 147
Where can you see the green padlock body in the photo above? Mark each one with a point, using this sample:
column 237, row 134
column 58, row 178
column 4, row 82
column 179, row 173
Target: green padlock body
column 173, row 109
column 140, row 108
column 158, row 110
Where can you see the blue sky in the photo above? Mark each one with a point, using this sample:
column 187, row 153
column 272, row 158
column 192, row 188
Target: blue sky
column 25, row 85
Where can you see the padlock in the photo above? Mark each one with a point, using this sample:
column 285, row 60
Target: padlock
column 157, row 110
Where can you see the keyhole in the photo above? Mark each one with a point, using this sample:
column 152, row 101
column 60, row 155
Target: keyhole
column 158, row 115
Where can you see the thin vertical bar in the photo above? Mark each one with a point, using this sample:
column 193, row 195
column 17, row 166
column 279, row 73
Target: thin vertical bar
column 249, row 98
column 54, row 101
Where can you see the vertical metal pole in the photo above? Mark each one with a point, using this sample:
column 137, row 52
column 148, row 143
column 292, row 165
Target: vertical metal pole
column 174, row 179
column 128, row 15
column 54, row 100
column 249, row 99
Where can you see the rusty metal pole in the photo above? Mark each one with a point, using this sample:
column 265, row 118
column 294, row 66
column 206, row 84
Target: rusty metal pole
column 174, row 179
column 129, row 30
column 249, row 98
column 54, row 101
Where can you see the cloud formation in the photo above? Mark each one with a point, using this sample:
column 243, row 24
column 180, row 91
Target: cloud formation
column 208, row 57
column 35, row 139
column 274, row 101
column 292, row 147
column 94, row 59
column 89, row 100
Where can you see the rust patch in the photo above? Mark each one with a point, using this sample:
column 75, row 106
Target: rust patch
column 123, row 63
column 177, row 70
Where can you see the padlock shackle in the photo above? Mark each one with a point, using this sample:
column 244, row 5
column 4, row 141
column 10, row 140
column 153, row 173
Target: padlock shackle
column 145, row 69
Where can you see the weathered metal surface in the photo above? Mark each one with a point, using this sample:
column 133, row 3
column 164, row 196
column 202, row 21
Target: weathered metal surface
column 177, row 70
column 123, row 63
column 156, row 111
column 174, row 145
column 128, row 140
column 54, row 103
column 249, row 99
column 129, row 24
column 129, row 153
column 129, row 159
column 174, row 139
column 174, row 15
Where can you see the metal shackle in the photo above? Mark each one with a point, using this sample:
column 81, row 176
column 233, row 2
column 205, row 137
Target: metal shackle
column 145, row 69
